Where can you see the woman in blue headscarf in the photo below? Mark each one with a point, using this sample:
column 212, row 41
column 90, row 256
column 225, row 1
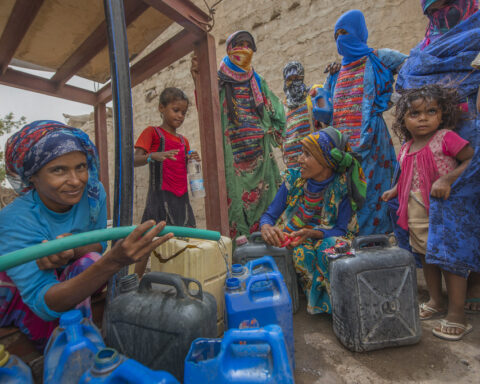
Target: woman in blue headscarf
column 54, row 168
column 361, row 93
column 444, row 57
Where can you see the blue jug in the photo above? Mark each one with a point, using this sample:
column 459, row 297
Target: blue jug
column 13, row 370
column 254, row 267
column 111, row 367
column 71, row 349
column 242, row 356
column 265, row 300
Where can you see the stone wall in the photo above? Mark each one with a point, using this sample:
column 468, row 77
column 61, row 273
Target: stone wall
column 284, row 30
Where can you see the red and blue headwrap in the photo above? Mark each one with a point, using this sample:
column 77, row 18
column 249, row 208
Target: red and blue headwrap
column 42, row 141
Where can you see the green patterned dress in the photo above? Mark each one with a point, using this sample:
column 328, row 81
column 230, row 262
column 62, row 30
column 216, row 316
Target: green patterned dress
column 251, row 171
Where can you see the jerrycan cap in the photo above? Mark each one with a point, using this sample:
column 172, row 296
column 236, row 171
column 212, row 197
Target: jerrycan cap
column 232, row 283
column 105, row 359
column 71, row 317
column 4, row 356
column 241, row 240
column 237, row 269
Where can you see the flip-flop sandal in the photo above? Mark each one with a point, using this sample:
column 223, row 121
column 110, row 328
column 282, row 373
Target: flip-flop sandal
column 432, row 313
column 444, row 323
column 472, row 300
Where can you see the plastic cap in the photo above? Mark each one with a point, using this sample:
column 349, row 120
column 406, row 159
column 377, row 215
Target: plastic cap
column 232, row 283
column 106, row 358
column 129, row 283
column 4, row 356
column 71, row 317
column 240, row 240
column 237, row 269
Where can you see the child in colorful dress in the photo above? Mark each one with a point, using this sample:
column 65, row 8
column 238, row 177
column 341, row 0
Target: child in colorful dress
column 167, row 153
column 431, row 160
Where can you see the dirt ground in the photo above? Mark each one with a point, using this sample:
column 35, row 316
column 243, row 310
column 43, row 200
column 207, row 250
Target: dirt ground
column 320, row 358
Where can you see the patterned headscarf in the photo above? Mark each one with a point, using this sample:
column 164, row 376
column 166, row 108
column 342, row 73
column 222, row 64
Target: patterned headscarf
column 295, row 90
column 442, row 20
column 229, row 74
column 42, row 141
column 331, row 149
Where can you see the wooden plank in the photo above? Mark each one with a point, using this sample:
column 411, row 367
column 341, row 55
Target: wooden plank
column 211, row 137
column 101, row 141
column 22, row 80
column 94, row 44
column 21, row 17
column 172, row 50
column 183, row 12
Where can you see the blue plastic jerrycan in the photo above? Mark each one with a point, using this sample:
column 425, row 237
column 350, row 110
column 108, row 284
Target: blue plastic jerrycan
column 254, row 267
column 253, row 355
column 13, row 370
column 71, row 349
column 111, row 367
column 264, row 300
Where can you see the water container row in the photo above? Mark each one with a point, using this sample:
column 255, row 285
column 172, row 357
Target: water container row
column 253, row 355
column 260, row 298
column 76, row 353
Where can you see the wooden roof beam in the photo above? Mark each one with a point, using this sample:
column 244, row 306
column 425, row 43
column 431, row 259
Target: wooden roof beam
column 183, row 12
column 172, row 50
column 22, row 80
column 94, row 44
column 22, row 16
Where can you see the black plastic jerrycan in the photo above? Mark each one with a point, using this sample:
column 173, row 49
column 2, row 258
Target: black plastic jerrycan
column 255, row 247
column 374, row 295
column 155, row 322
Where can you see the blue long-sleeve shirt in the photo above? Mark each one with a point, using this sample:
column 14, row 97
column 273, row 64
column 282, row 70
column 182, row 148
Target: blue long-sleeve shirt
column 279, row 204
column 26, row 222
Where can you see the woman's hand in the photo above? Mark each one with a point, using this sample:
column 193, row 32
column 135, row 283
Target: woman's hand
column 138, row 245
column 304, row 234
column 162, row 156
column 332, row 68
column 194, row 68
column 390, row 194
column 193, row 155
column 441, row 188
column 56, row 260
column 272, row 235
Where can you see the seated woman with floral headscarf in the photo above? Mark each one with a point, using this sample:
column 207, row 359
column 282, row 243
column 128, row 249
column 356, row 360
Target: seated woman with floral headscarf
column 54, row 168
column 317, row 206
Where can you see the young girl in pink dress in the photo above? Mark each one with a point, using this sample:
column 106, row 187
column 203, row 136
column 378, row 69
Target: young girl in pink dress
column 431, row 159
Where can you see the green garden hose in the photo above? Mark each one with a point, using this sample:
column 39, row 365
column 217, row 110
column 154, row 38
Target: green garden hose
column 34, row 252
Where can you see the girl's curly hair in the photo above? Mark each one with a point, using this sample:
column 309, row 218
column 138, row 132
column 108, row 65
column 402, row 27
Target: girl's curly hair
column 170, row 95
column 446, row 98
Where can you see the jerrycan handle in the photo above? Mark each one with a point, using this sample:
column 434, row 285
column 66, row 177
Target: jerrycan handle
column 264, row 260
column 180, row 283
column 270, row 334
column 255, row 236
column 270, row 277
column 370, row 241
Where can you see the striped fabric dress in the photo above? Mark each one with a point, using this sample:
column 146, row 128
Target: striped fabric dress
column 348, row 101
column 246, row 139
column 298, row 126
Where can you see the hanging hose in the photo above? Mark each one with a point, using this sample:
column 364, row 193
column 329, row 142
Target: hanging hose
column 34, row 252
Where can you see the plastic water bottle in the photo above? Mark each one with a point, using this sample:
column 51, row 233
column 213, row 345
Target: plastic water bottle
column 194, row 170
column 13, row 370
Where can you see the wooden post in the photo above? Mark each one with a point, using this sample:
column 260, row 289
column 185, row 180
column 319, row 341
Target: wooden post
column 101, row 139
column 211, row 136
